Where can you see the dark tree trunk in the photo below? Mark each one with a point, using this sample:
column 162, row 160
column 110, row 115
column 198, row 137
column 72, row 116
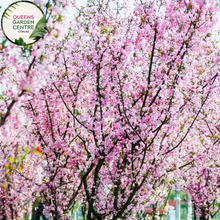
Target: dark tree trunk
column 194, row 214
column 203, row 217
column 154, row 211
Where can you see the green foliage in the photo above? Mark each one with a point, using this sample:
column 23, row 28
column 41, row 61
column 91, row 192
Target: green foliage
column 39, row 29
column 20, row 42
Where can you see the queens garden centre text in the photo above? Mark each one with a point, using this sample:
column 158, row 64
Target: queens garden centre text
column 23, row 22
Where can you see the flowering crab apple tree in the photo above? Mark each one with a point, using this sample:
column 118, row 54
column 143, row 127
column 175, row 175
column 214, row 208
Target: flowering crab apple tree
column 60, row 146
column 202, row 177
column 20, row 72
column 123, row 95
column 18, row 168
column 203, row 187
column 201, row 181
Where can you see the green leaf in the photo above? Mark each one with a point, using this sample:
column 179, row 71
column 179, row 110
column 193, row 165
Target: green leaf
column 39, row 29
column 20, row 42
column 19, row 161
column 7, row 166
column 7, row 14
column 59, row 18
column 23, row 156
column 37, row 152
column 26, row 150
column 11, row 159
column 37, row 33
column 209, row 52
column 48, row 5
column 42, row 23
column 20, row 169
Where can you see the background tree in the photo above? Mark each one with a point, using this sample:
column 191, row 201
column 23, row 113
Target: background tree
column 201, row 178
column 19, row 170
